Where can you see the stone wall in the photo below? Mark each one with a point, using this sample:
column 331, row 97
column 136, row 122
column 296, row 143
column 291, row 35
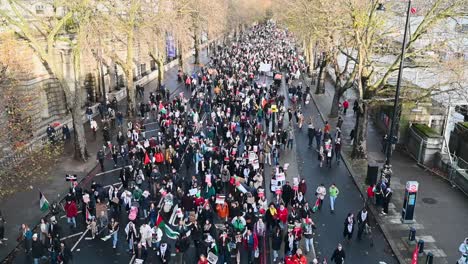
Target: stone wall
column 429, row 115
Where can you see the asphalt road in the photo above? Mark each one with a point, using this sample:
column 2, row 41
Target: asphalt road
column 330, row 226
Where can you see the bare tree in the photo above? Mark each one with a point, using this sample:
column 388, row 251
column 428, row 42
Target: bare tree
column 43, row 34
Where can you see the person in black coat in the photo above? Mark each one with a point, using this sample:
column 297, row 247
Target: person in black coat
column 338, row 255
column 141, row 251
column 276, row 240
column 164, row 253
column 271, row 220
column 65, row 254
column 37, row 249
column 349, row 226
column 287, row 194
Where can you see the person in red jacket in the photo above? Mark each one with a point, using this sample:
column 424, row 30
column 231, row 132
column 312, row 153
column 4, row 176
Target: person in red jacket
column 202, row 260
column 251, row 244
column 71, row 211
column 370, row 194
column 298, row 258
column 282, row 216
column 345, row 106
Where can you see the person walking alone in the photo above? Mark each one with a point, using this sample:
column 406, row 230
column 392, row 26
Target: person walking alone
column 338, row 255
column 348, row 227
column 362, row 220
column 333, row 192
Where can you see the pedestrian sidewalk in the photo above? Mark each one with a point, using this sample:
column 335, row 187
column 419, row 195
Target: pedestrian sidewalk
column 23, row 207
column 441, row 211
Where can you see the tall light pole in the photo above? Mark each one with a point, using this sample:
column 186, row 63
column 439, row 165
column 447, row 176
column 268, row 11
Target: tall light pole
column 392, row 134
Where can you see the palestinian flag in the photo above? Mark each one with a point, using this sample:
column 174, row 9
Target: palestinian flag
column 43, row 203
column 166, row 228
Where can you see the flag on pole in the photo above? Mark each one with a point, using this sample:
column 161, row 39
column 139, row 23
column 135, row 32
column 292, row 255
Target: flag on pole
column 43, row 203
column 166, row 228
column 414, row 259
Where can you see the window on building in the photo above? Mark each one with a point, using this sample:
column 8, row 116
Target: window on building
column 143, row 69
column 153, row 65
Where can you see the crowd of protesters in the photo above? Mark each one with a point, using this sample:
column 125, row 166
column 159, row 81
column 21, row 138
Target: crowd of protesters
column 201, row 178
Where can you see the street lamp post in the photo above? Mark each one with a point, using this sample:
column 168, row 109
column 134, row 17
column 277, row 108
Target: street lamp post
column 391, row 136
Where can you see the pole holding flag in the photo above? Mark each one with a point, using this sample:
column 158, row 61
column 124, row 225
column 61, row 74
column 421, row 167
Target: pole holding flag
column 43, row 203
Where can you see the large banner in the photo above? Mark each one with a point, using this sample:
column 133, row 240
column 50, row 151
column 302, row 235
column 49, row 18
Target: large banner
column 170, row 46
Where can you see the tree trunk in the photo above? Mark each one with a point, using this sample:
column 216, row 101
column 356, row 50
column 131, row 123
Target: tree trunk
column 360, row 132
column 320, row 80
column 80, row 149
column 181, row 57
column 131, row 95
column 160, row 64
column 197, row 49
column 336, row 100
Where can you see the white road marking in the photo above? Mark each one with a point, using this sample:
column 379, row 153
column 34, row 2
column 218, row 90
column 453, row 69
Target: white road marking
column 132, row 259
column 70, row 236
column 79, row 240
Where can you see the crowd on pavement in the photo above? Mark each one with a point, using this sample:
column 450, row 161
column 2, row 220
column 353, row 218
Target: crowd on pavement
column 201, row 179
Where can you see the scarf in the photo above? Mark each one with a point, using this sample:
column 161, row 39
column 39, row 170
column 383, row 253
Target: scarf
column 363, row 216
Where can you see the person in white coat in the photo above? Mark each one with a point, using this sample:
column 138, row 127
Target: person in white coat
column 321, row 192
column 146, row 234
column 464, row 251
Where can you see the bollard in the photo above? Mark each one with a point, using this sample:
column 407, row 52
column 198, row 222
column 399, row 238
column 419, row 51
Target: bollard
column 412, row 234
column 421, row 247
column 429, row 258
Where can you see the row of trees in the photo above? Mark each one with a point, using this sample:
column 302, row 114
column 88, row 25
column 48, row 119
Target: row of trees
column 110, row 29
column 361, row 46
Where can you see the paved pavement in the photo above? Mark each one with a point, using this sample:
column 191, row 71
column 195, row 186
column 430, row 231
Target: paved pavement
column 330, row 226
column 441, row 210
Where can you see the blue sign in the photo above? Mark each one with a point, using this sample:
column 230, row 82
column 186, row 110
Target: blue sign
column 170, row 46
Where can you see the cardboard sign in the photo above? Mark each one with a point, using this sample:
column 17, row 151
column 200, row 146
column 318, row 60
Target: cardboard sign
column 255, row 165
column 212, row 258
column 255, row 148
column 252, row 156
column 286, row 166
column 208, row 178
column 295, row 181
column 281, row 177
column 193, row 191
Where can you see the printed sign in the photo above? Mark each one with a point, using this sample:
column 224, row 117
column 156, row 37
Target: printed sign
column 281, row 177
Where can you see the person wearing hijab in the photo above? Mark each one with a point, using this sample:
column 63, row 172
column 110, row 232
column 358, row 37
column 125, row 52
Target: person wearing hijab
column 363, row 220
column 348, row 226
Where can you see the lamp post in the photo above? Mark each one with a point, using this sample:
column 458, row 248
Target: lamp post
column 391, row 136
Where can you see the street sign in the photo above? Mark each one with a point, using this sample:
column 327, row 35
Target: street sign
column 412, row 186
column 70, row 178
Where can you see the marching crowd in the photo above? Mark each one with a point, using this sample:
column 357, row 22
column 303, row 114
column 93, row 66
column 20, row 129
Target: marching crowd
column 201, row 178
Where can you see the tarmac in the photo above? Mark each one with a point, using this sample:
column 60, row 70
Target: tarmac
column 23, row 207
column 441, row 211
